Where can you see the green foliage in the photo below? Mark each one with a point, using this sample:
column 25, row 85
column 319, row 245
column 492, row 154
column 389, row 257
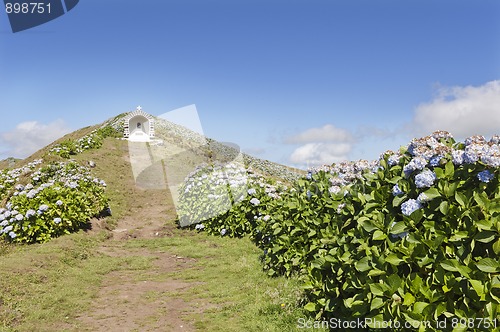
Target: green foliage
column 414, row 239
column 58, row 199
column 91, row 141
column 228, row 199
column 361, row 264
column 66, row 148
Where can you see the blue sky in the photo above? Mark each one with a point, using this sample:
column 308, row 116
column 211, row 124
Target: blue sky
column 296, row 82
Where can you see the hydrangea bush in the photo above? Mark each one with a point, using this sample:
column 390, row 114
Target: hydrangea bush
column 227, row 199
column 93, row 140
column 411, row 237
column 417, row 239
column 47, row 202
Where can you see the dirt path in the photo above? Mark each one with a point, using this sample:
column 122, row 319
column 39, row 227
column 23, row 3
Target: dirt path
column 141, row 300
column 131, row 300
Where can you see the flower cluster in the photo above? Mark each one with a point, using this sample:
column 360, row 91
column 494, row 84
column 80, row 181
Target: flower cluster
column 9, row 177
column 485, row 176
column 410, row 206
column 416, row 164
column 477, row 148
column 91, row 141
column 436, row 144
column 345, row 172
column 425, row 179
column 418, row 160
column 211, row 190
column 58, row 198
column 396, row 191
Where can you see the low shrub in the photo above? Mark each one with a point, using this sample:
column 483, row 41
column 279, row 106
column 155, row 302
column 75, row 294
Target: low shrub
column 409, row 238
column 57, row 199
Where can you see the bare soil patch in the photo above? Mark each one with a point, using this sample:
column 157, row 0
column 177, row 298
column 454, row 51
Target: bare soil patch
column 137, row 301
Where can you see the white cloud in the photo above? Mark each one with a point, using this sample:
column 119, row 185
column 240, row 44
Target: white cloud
column 463, row 111
column 313, row 154
column 319, row 146
column 30, row 136
column 327, row 133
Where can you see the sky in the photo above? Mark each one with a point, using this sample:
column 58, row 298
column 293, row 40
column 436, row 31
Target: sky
column 296, row 82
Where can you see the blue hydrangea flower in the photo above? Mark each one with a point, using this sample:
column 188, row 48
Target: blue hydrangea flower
column 12, row 234
column 255, row 201
column 223, row 231
column 43, row 207
column 251, row 191
column 470, row 157
column 30, row 213
column 19, row 217
column 417, row 163
column 396, row 191
column 199, row 227
column 393, row 160
column 410, row 206
column 491, row 160
column 457, row 157
column 485, row 176
column 334, row 189
column 425, row 179
column 340, row 207
column 422, row 198
column 434, row 162
column 57, row 220
column 309, row 175
column 477, row 139
column 308, row 194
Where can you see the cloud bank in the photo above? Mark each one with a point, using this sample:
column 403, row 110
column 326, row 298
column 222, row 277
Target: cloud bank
column 463, row 111
column 28, row 137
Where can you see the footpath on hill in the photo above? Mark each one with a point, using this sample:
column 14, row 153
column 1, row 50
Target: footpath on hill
column 130, row 299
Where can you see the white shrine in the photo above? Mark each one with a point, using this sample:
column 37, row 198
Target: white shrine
column 138, row 126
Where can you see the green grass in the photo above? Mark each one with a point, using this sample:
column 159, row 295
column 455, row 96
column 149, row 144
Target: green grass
column 229, row 275
column 46, row 287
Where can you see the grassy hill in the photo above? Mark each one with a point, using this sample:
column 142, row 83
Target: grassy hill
column 135, row 270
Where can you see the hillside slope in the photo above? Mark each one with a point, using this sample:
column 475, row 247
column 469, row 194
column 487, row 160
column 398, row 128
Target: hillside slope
column 141, row 272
